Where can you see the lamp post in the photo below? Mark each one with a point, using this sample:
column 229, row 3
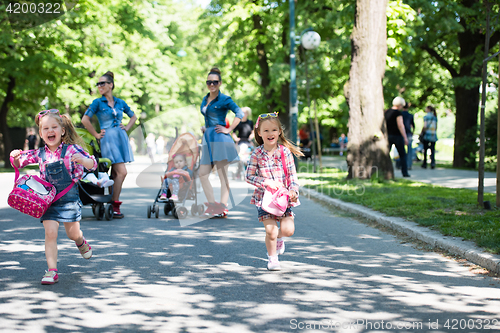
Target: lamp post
column 310, row 40
column 294, row 110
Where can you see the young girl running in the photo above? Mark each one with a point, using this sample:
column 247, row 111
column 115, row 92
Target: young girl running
column 265, row 169
column 62, row 162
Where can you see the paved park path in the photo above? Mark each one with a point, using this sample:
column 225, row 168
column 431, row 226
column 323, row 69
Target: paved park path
column 453, row 178
column 154, row 275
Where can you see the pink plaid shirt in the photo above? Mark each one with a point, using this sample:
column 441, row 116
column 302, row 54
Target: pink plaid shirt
column 75, row 170
column 262, row 166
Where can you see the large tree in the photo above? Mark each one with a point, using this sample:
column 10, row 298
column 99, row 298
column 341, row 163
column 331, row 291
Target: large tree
column 368, row 152
column 59, row 60
column 452, row 33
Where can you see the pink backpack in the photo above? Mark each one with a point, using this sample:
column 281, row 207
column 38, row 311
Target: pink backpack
column 276, row 201
column 32, row 195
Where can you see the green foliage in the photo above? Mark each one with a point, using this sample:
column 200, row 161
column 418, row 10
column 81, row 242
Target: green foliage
column 61, row 60
column 453, row 212
column 140, row 41
column 250, row 43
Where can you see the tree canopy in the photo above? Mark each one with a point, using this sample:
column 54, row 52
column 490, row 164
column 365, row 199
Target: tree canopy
column 162, row 50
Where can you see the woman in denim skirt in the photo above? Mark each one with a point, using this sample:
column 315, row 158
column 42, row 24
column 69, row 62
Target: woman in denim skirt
column 113, row 135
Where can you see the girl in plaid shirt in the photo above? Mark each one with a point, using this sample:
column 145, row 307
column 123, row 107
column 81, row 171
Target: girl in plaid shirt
column 265, row 169
column 62, row 163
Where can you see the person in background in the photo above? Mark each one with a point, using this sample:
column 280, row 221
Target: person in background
column 151, row 146
column 217, row 149
column 160, row 145
column 305, row 136
column 31, row 140
column 113, row 136
column 133, row 145
column 172, row 177
column 243, row 139
column 409, row 123
column 342, row 143
column 396, row 131
column 430, row 136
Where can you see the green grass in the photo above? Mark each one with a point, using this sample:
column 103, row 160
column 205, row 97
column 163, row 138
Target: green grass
column 453, row 212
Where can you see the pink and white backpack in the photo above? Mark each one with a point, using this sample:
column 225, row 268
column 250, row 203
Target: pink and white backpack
column 32, row 195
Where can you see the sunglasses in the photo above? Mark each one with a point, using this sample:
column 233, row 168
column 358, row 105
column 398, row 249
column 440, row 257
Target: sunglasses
column 214, row 82
column 265, row 115
column 44, row 112
column 102, row 83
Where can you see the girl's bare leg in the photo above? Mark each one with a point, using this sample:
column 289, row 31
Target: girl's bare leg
column 51, row 229
column 73, row 231
column 271, row 235
column 287, row 227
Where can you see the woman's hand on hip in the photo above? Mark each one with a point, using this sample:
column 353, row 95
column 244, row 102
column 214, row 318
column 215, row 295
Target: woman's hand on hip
column 100, row 135
column 222, row 129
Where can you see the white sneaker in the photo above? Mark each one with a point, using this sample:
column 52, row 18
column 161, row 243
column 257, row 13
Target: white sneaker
column 50, row 277
column 273, row 264
column 280, row 246
column 85, row 249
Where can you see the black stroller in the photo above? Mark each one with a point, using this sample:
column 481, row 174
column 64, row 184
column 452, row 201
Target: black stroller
column 91, row 194
column 186, row 145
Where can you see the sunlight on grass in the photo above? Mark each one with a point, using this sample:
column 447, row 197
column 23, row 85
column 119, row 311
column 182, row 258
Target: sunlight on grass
column 453, row 212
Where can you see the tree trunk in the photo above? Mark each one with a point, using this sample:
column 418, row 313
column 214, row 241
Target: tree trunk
column 4, row 129
column 471, row 42
column 467, row 101
column 368, row 151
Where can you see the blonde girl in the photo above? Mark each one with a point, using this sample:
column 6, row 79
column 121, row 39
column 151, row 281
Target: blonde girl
column 265, row 169
column 62, row 161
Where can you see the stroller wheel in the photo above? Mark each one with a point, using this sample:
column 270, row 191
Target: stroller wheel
column 149, row 212
column 100, row 211
column 201, row 209
column 194, row 210
column 167, row 208
column 108, row 212
column 95, row 209
column 157, row 211
column 181, row 212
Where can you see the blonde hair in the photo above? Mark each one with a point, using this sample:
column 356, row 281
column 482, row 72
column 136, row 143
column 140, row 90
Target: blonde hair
column 284, row 141
column 70, row 135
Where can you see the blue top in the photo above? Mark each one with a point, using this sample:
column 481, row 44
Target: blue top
column 217, row 110
column 108, row 116
column 430, row 126
column 114, row 144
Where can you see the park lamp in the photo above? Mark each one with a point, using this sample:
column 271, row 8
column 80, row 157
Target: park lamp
column 310, row 39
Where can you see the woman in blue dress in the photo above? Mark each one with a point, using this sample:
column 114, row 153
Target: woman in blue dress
column 113, row 135
column 218, row 148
